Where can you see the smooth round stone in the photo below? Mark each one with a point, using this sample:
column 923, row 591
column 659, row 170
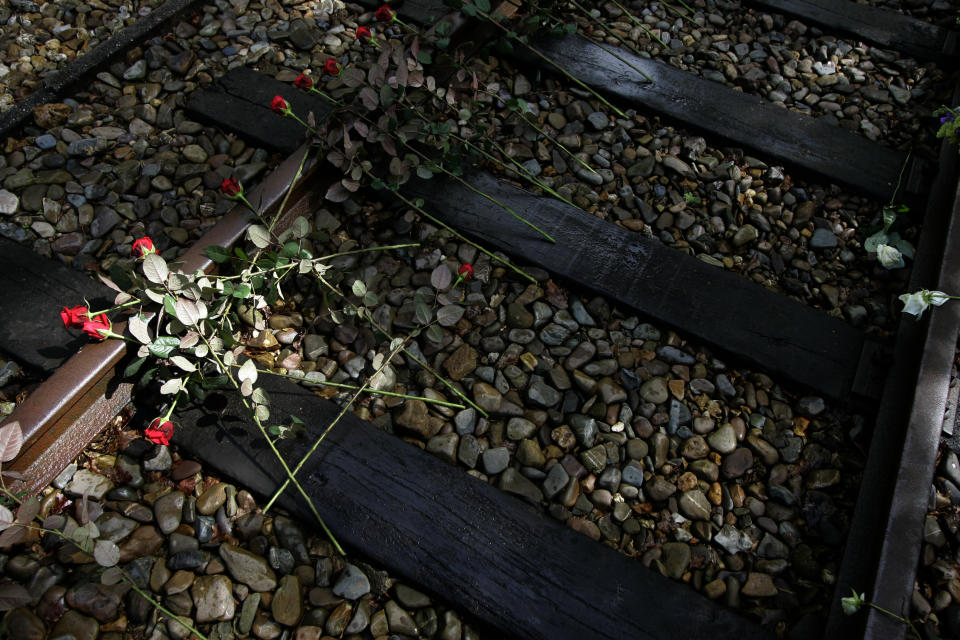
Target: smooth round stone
column 23, row 624
column 495, row 460
column 114, row 527
column 759, row 585
column 822, row 239
column 632, row 473
column 213, row 598
column 77, row 626
column 95, row 600
column 724, row 439
column 694, row 505
column 695, row 448
column 286, row 605
column 737, row 463
column 399, row 621
column 655, row 390
column 158, row 460
column 247, row 612
column 676, row 559
column 184, row 469
column 168, row 511
column 520, row 428
column 352, row 583
column 248, row 568
column 212, row 499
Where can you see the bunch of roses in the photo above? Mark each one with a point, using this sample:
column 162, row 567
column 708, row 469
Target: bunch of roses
column 96, row 325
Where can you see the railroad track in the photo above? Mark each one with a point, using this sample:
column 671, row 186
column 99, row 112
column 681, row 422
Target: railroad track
column 526, row 568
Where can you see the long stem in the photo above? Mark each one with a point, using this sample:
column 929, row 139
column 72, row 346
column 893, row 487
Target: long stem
column 640, row 24
column 456, row 233
column 615, row 35
column 893, row 615
column 329, row 428
column 525, row 172
column 340, row 385
column 478, row 192
column 283, row 463
column 410, row 355
column 903, row 168
column 541, row 55
column 160, row 607
column 128, row 303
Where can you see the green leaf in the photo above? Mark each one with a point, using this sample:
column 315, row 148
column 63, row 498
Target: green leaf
column 248, row 372
column 422, row 313
column 262, row 413
column 240, row 253
column 370, row 299
column 570, row 28
column 424, row 57
column 443, row 28
column 187, row 312
column 449, row 315
column 170, row 305
column 132, row 368
column 260, row 396
column 183, row 363
column 242, row 291
column 870, row 244
column 163, row 346
column 435, row 334
column 443, row 43
column 386, row 96
column 155, row 268
column 469, row 10
column 259, row 236
column 358, row 288
column 215, row 382
column 137, row 327
column 483, row 5
column 300, row 227
column 423, row 172
column 290, row 250
column 217, row 254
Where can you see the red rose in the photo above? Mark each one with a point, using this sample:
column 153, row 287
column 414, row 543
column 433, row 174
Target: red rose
column 386, row 14
column 160, row 431
column 95, row 325
column 465, row 271
column 279, row 105
column 331, row 67
column 364, row 34
column 75, row 317
column 142, row 247
column 231, row 188
column 303, row 82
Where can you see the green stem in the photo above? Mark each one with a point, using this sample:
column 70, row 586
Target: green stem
column 129, row 303
column 329, row 428
column 893, row 615
column 541, row 55
column 680, row 13
column 903, row 168
column 407, row 352
column 456, row 233
column 525, row 172
column 638, row 22
column 481, row 193
column 283, row 463
column 619, row 39
column 383, row 248
column 339, row 385
column 160, row 607
column 313, row 89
